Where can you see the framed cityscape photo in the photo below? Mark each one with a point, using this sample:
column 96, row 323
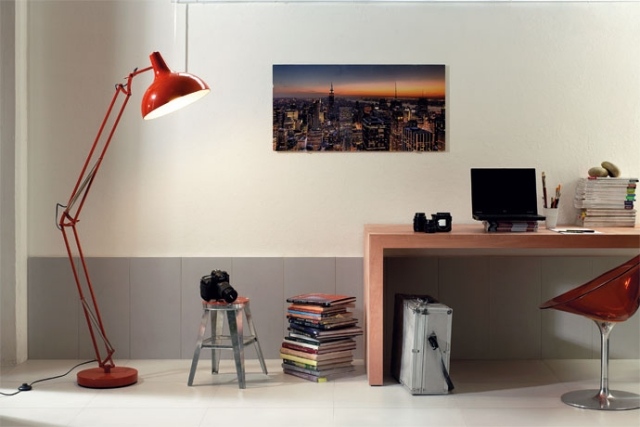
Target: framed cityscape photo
column 351, row 108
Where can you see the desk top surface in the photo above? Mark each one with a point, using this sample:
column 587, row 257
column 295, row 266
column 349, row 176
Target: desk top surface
column 474, row 236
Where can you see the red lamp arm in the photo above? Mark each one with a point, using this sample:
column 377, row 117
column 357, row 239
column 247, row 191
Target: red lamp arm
column 168, row 92
column 70, row 217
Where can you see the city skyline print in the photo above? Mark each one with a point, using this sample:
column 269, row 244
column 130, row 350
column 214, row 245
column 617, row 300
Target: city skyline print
column 359, row 108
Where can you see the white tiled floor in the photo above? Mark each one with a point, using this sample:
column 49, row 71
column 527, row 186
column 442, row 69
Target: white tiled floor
column 488, row 393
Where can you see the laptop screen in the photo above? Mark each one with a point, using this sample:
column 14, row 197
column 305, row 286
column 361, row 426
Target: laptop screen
column 503, row 191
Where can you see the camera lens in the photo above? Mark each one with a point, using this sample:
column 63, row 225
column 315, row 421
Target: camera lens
column 227, row 292
column 418, row 221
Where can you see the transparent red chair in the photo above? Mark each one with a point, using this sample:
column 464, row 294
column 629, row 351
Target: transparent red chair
column 608, row 299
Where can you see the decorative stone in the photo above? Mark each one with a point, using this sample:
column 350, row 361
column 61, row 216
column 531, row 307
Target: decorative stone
column 598, row 171
column 612, row 169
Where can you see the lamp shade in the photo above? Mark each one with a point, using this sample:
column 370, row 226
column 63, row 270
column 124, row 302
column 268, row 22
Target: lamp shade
column 170, row 91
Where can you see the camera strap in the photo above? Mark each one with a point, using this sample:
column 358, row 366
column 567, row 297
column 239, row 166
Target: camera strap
column 433, row 340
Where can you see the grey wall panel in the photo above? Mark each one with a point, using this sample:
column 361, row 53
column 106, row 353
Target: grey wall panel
column 151, row 306
column 53, row 309
column 464, row 286
column 624, row 339
column 155, row 308
column 514, row 317
column 110, row 280
column 349, row 281
column 262, row 280
column 304, row 275
column 408, row 275
column 564, row 334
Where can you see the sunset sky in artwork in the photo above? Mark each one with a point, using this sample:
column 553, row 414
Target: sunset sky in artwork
column 359, row 81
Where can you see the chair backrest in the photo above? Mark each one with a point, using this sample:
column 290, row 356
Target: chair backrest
column 613, row 296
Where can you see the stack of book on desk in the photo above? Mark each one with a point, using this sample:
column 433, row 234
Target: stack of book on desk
column 606, row 202
column 320, row 342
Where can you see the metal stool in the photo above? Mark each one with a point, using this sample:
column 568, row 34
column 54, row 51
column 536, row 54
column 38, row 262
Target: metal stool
column 236, row 341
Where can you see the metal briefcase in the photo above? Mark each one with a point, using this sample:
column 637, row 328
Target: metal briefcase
column 426, row 347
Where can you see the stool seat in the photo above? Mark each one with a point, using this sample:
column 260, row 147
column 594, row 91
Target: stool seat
column 213, row 312
column 225, row 305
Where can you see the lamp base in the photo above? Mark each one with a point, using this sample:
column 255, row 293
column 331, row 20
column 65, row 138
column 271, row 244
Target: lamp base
column 116, row 377
column 594, row 399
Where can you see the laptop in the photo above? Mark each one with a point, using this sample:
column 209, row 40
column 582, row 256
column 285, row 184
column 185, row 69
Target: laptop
column 504, row 194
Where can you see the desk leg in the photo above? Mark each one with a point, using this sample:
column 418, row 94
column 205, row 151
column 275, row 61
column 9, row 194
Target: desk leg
column 373, row 294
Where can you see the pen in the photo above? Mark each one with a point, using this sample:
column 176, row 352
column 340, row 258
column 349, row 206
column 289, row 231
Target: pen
column 556, row 200
column 578, row 231
column 544, row 189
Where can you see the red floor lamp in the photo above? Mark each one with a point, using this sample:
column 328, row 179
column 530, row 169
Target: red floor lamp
column 168, row 92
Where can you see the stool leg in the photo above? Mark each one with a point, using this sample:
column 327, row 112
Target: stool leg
column 217, row 323
column 236, row 332
column 196, row 353
column 252, row 331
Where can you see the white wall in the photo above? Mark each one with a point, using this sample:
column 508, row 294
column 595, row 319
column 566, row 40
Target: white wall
column 546, row 85
column 13, row 185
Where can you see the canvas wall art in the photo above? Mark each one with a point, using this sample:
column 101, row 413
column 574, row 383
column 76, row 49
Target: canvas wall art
column 357, row 108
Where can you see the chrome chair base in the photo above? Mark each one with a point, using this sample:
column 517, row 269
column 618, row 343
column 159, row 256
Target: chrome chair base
column 595, row 399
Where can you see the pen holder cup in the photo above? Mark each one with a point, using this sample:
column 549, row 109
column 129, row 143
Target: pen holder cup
column 551, row 217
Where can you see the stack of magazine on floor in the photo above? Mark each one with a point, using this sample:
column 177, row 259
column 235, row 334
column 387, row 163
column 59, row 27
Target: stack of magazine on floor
column 606, row 202
column 320, row 342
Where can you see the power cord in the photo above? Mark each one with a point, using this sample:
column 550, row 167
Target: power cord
column 58, row 206
column 28, row 387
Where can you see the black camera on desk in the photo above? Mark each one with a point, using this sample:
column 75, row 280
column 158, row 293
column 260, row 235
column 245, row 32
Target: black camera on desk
column 216, row 287
column 439, row 222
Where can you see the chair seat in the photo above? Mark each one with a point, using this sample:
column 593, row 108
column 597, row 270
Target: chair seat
column 611, row 297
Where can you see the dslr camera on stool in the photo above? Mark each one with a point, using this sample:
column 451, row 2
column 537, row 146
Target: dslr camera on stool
column 216, row 287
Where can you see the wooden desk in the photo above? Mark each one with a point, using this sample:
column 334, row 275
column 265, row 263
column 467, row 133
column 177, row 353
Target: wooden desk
column 381, row 238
